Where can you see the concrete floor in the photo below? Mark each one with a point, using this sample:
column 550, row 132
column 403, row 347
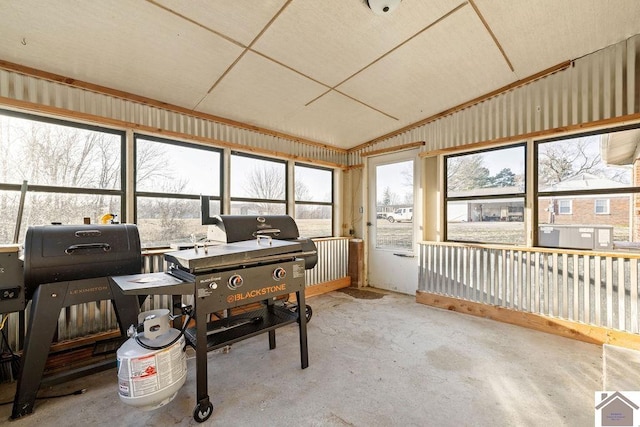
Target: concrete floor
column 373, row 362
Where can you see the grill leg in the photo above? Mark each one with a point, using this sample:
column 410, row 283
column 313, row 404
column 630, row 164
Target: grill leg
column 272, row 333
column 204, row 407
column 302, row 326
column 127, row 308
column 46, row 304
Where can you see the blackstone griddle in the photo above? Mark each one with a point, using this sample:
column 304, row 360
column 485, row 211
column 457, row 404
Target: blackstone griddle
column 225, row 276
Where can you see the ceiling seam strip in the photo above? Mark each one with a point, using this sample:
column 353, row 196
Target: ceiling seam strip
column 366, row 105
column 493, row 36
column 289, row 68
column 204, row 27
column 249, row 48
column 446, row 15
column 246, row 49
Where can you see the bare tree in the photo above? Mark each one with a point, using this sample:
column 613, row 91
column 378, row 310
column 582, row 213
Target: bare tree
column 558, row 161
column 266, row 182
column 466, row 173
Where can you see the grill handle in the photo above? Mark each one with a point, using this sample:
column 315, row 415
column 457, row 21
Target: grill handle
column 87, row 246
column 271, row 231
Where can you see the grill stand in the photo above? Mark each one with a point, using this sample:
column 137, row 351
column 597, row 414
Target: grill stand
column 209, row 299
column 48, row 300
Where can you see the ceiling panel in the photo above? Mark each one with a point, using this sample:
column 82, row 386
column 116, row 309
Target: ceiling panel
column 242, row 20
column 339, row 121
column 260, row 91
column 425, row 57
column 127, row 45
column 330, row 40
column 539, row 34
column 443, row 67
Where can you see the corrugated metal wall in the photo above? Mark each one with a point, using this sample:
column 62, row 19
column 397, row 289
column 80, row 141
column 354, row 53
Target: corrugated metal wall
column 47, row 93
column 599, row 86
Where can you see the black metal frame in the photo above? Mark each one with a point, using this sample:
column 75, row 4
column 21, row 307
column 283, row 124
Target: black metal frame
column 315, row 203
column 207, row 302
column 48, row 300
column 482, row 197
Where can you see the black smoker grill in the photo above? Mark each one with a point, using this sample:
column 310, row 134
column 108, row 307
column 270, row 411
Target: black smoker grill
column 255, row 259
column 66, row 265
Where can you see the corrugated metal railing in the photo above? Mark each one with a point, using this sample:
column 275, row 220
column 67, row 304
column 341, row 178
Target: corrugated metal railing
column 599, row 289
column 95, row 317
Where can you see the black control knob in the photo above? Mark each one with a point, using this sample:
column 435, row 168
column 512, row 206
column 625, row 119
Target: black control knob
column 279, row 273
column 235, row 282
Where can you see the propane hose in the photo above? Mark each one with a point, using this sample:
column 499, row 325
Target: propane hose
column 188, row 312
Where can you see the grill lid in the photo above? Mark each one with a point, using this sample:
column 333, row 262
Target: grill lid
column 236, row 228
column 55, row 253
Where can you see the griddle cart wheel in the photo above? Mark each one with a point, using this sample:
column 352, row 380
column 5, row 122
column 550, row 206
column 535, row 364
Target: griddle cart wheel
column 201, row 415
column 308, row 312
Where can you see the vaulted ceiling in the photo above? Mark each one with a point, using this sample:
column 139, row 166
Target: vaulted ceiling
column 330, row 71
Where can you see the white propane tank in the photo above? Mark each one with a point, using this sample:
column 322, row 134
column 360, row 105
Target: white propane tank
column 149, row 379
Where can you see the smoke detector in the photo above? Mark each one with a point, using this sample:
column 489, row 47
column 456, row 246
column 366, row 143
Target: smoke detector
column 383, row 7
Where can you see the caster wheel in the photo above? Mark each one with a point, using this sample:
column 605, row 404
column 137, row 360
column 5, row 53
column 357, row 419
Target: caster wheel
column 308, row 312
column 202, row 415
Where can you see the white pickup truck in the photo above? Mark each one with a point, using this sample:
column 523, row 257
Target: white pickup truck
column 401, row 214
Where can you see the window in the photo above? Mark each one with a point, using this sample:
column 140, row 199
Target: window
column 586, row 182
column 564, row 207
column 313, row 191
column 258, row 185
column 170, row 177
column 73, row 172
column 485, row 195
column 602, row 206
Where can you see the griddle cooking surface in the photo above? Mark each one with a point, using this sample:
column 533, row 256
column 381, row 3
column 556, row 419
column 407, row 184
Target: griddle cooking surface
column 238, row 253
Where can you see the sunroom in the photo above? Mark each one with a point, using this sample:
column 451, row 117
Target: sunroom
column 474, row 156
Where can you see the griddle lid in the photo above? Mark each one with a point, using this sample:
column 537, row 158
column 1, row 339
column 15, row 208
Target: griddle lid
column 237, row 228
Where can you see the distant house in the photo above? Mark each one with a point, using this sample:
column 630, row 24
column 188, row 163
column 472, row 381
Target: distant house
column 486, row 209
column 608, row 209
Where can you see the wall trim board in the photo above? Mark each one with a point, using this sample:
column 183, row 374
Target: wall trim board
column 578, row 331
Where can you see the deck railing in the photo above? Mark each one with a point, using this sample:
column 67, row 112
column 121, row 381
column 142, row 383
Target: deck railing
column 599, row 289
column 96, row 317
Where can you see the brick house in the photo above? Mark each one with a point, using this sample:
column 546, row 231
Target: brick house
column 605, row 209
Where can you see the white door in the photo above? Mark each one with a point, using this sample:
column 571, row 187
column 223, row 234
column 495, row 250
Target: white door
column 394, row 221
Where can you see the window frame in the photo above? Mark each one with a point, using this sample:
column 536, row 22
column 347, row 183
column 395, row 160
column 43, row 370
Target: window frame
column 58, row 189
column 569, row 210
column 517, row 195
column 597, row 192
column 607, row 210
column 284, row 201
column 331, row 204
column 163, row 195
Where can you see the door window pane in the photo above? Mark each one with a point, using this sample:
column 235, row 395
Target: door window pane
column 394, row 200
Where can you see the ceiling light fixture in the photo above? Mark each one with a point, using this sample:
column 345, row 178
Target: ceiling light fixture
column 383, row 7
